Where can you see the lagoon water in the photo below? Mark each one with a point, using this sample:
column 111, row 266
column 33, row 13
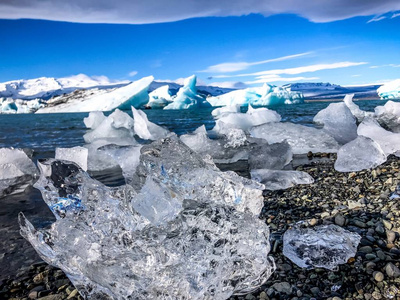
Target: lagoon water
column 44, row 132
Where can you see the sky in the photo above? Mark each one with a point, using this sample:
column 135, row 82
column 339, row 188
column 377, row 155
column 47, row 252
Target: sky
column 229, row 43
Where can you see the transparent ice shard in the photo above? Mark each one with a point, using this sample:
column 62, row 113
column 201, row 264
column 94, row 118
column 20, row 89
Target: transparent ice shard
column 361, row 153
column 301, row 138
column 94, row 119
column 338, row 121
column 325, row 246
column 355, row 109
column 279, row 179
column 182, row 230
column 78, row 155
column 146, row 129
column 273, row 156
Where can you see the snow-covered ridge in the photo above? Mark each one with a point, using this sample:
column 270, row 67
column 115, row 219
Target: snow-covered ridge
column 47, row 87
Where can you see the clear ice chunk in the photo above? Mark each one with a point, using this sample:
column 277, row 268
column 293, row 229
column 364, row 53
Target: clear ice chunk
column 355, row 109
column 78, row 155
column 301, row 138
column 225, row 109
column 146, row 129
column 189, row 231
column 388, row 141
column 16, row 171
column 359, row 154
column 94, row 119
column 325, row 246
column 389, row 115
column 279, row 179
column 338, row 121
column 275, row 156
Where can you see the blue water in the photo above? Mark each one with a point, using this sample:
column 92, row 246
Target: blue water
column 44, row 132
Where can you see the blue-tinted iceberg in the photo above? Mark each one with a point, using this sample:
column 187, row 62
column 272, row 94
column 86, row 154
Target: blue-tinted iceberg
column 390, row 90
column 8, row 106
column 160, row 97
column 258, row 96
column 187, row 96
column 180, row 230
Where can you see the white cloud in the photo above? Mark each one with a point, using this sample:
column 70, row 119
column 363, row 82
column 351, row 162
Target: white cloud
column 387, row 65
column 395, row 15
column 229, row 67
column 158, row 11
column 133, row 73
column 297, row 70
column 282, row 79
column 377, row 19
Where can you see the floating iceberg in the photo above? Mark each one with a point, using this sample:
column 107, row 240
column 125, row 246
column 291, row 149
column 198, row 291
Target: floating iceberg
column 245, row 121
column 188, row 232
column 146, row 129
column 359, row 154
column 260, row 96
column 390, row 90
column 134, row 94
column 325, row 246
column 388, row 141
column 338, row 121
column 279, row 179
column 160, row 97
column 78, row 155
column 389, row 115
column 16, row 171
column 301, row 138
column 8, row 106
column 187, row 96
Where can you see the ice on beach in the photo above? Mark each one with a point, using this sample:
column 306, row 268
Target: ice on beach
column 258, row 96
column 387, row 140
column 280, row 179
column 225, row 109
column 187, row 96
column 134, row 94
column 184, row 230
column 390, row 90
column 338, row 121
column 78, row 155
column 301, row 138
column 160, row 97
column 355, row 109
column 389, row 115
column 245, row 121
column 325, row 246
column 359, row 154
column 146, row 129
column 273, row 156
column 16, row 168
column 94, row 119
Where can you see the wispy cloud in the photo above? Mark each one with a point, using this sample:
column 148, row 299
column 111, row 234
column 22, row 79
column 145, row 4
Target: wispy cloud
column 297, row 70
column 387, row 65
column 159, row 11
column 395, row 15
column 277, row 78
column 377, row 19
column 229, row 67
column 133, row 73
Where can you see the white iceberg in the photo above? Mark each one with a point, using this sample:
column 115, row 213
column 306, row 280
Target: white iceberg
column 160, row 97
column 359, row 154
column 301, row 138
column 338, row 121
column 245, row 121
column 134, row 94
column 146, row 129
column 8, row 106
column 390, row 90
column 280, row 179
column 325, row 246
column 258, row 96
column 187, row 96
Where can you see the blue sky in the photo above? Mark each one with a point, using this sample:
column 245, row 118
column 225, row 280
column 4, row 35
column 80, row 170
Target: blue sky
column 278, row 48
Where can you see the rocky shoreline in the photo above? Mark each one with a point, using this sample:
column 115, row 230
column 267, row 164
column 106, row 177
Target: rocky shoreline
column 359, row 202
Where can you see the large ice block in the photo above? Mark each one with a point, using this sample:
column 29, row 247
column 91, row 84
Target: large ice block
column 338, row 121
column 355, row 109
column 301, row 138
column 160, row 97
column 324, row 246
column 359, row 154
column 390, row 90
column 189, row 231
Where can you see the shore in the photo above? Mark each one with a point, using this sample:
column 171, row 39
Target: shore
column 357, row 201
